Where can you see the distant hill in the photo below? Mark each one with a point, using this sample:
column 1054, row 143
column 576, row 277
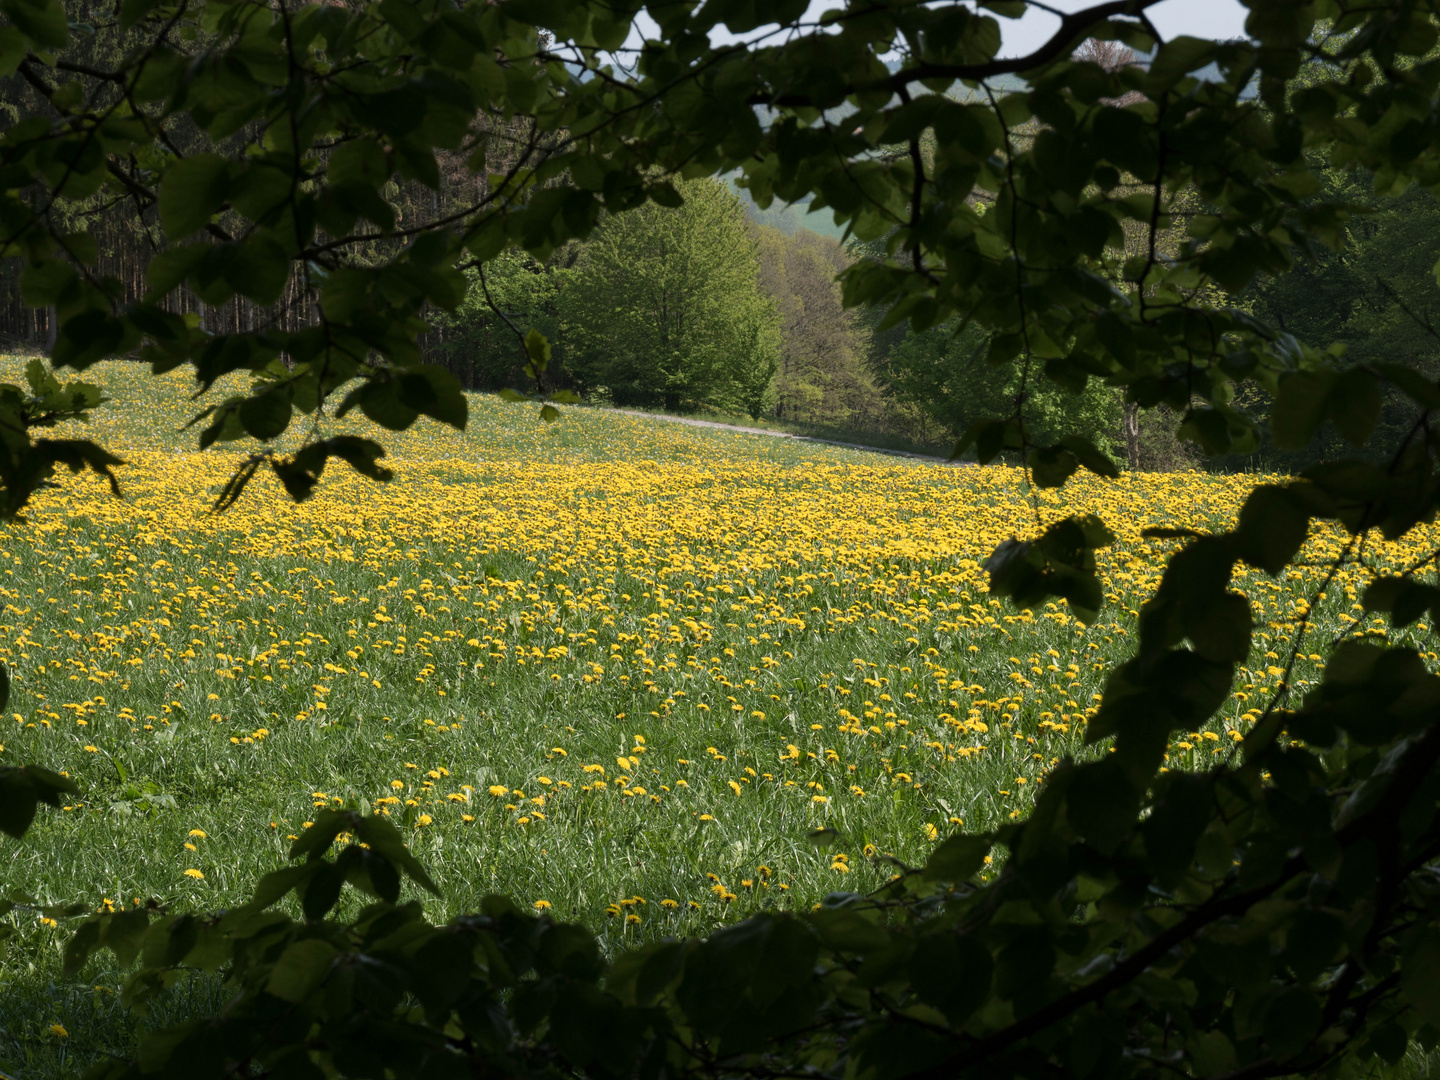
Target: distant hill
column 791, row 218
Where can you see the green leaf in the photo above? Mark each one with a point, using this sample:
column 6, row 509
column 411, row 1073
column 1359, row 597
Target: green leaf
column 385, row 839
column 321, row 891
column 1212, row 1053
column 266, row 416
column 664, row 194
column 46, row 282
column 951, row 971
column 1273, row 525
column 1090, row 457
column 132, row 11
column 378, row 876
column 301, row 970
column 81, row 945
column 432, row 390
column 1418, row 964
column 360, row 161
column 1390, row 1041
column 1179, row 816
column 258, row 268
column 572, row 951
column 990, row 438
column 1404, row 598
column 444, row 973
column 1051, row 466
column 1300, row 408
column 1354, row 405
column 43, row 21
column 537, row 349
column 22, row 789
column 1291, row 1022
column 13, row 48
column 845, row 930
column 1313, row 942
column 194, row 189
column 958, row 859
column 1221, row 628
column 316, row 840
column 1102, row 804
column 362, row 455
column 278, row 883
column 17, row 802
column 380, row 401
column 639, row 976
column 4, row 686
column 168, row 269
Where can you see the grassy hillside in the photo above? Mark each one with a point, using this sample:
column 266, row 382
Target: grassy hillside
column 612, row 666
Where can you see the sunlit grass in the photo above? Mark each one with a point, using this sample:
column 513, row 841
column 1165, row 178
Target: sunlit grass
column 611, row 665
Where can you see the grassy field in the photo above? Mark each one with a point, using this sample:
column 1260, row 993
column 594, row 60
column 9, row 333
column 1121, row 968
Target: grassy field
column 889, row 442
column 611, row 666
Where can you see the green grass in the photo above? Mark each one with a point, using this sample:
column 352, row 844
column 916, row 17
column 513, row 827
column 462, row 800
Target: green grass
column 837, row 433
column 214, row 674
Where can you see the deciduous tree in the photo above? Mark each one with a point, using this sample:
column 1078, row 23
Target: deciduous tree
column 664, row 306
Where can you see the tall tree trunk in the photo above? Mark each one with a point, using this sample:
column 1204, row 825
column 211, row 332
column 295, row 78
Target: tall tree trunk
column 1130, row 424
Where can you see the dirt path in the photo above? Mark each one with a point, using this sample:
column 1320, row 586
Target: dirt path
column 739, row 429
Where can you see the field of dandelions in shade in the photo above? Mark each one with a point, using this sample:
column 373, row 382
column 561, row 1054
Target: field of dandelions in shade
column 615, row 667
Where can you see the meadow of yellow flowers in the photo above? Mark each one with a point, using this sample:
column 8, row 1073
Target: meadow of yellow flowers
column 614, row 667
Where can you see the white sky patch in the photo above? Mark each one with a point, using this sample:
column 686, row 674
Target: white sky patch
column 1219, row 20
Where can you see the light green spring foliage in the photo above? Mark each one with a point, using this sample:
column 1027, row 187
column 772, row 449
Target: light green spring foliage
column 482, row 346
column 664, row 307
column 943, row 372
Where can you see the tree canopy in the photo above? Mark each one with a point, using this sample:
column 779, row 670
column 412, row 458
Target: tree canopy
column 1274, row 915
column 663, row 307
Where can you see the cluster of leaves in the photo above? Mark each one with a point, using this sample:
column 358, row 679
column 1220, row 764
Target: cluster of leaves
column 26, row 463
column 304, row 117
column 1278, row 914
column 24, row 788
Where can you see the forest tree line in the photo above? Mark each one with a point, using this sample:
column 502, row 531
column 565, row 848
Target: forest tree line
column 715, row 305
